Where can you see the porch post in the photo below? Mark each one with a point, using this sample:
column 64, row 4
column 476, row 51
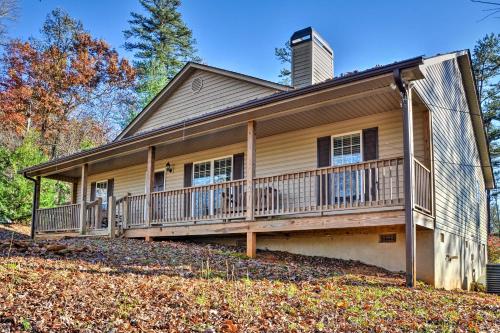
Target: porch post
column 150, row 171
column 409, row 186
column 250, row 172
column 36, row 205
column 83, row 198
column 112, row 216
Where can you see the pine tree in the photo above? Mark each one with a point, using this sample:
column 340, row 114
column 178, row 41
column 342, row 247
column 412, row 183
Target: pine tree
column 284, row 55
column 486, row 63
column 162, row 44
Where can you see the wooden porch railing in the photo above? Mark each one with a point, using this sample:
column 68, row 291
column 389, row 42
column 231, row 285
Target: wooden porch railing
column 61, row 218
column 216, row 201
column 423, row 190
column 361, row 185
column 136, row 212
column 96, row 216
column 367, row 184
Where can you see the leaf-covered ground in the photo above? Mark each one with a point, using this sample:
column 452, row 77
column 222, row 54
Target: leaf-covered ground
column 97, row 285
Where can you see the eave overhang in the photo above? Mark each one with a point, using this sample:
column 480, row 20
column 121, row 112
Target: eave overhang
column 263, row 107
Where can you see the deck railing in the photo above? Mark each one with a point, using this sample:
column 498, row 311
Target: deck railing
column 208, row 202
column 136, row 211
column 61, row 218
column 96, row 216
column 423, row 190
column 369, row 184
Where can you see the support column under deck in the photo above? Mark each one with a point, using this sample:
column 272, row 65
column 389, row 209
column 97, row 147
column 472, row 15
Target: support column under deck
column 251, row 244
column 410, row 228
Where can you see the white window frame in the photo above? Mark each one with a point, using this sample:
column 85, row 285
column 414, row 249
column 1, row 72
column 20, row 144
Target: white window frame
column 212, row 175
column 212, row 168
column 104, row 200
column 332, row 137
column 332, row 149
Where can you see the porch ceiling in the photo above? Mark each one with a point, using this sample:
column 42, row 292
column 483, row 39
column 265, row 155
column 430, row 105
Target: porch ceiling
column 332, row 105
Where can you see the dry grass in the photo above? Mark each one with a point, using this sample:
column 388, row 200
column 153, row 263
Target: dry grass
column 130, row 285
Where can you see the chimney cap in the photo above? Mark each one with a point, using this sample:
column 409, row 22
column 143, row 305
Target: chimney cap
column 307, row 35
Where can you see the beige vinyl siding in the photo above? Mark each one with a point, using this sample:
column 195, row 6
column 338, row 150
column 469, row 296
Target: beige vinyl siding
column 322, row 64
column 302, row 65
column 456, row 156
column 218, row 92
column 287, row 152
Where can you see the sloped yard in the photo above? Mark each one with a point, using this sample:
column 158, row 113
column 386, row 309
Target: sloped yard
column 97, row 285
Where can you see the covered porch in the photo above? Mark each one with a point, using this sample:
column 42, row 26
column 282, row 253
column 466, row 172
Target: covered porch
column 283, row 182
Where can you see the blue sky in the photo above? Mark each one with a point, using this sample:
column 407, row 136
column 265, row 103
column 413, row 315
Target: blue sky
column 241, row 35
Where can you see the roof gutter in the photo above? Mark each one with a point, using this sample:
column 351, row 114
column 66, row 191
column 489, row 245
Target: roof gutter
column 399, row 80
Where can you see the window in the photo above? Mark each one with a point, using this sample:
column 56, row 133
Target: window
column 101, row 191
column 387, row 238
column 347, row 149
column 442, row 237
column 213, row 171
column 210, row 172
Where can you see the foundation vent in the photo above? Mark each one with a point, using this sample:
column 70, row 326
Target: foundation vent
column 387, row 238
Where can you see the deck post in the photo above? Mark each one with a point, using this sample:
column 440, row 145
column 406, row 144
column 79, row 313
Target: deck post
column 112, row 216
column 36, row 205
column 98, row 214
column 408, row 167
column 150, row 172
column 251, row 244
column 83, row 198
column 125, row 212
column 250, row 172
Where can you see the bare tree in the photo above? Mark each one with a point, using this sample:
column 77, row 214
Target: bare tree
column 492, row 10
column 8, row 11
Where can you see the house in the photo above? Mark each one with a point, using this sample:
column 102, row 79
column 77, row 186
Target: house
column 389, row 165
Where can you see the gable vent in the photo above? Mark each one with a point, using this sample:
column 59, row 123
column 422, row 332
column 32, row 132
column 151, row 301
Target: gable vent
column 197, row 84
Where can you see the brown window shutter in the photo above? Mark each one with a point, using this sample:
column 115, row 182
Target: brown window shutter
column 370, row 152
column 188, row 174
column 370, row 144
column 324, row 151
column 159, row 181
column 324, row 157
column 111, row 187
column 188, row 181
column 238, row 166
column 237, row 197
column 92, row 191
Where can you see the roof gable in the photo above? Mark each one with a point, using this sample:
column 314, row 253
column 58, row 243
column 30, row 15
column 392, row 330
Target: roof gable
column 198, row 89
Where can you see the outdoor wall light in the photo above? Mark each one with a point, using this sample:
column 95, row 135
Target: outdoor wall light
column 169, row 168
